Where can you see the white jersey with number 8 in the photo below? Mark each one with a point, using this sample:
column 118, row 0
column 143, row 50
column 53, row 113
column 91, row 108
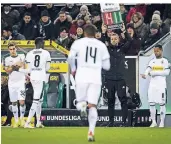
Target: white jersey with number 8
column 90, row 55
column 37, row 60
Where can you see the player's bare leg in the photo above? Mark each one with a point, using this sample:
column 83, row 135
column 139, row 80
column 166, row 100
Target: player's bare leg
column 153, row 114
column 162, row 114
column 15, row 113
column 92, row 119
column 22, row 112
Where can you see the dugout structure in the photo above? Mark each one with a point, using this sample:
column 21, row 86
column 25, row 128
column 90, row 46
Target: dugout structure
column 58, row 65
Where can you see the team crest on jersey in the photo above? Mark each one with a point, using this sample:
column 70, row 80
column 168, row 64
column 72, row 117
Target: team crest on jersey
column 162, row 62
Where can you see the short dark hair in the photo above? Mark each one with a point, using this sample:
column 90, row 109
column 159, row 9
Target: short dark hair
column 90, row 29
column 64, row 28
column 11, row 44
column 159, row 46
column 39, row 42
column 7, row 28
column 27, row 14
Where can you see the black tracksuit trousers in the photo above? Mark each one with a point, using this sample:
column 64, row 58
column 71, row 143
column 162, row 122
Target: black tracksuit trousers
column 118, row 86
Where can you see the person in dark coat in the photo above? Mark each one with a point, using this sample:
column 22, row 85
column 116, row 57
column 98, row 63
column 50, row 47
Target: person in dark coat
column 154, row 36
column 15, row 33
column 96, row 20
column 46, row 27
column 64, row 39
column 10, row 16
column 139, row 26
column 114, row 78
column 72, row 9
column 31, row 8
column 52, row 10
column 136, row 42
column 6, row 33
column 62, row 21
column 28, row 27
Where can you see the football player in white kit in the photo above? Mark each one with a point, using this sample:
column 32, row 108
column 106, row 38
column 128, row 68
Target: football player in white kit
column 158, row 69
column 92, row 55
column 16, row 83
column 38, row 61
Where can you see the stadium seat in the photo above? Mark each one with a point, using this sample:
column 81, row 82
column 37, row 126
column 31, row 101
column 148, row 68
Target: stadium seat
column 53, row 97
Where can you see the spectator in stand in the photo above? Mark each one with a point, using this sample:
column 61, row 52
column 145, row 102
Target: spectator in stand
column 46, row 27
column 7, row 33
column 31, row 8
column 52, row 10
column 139, row 25
column 62, row 21
column 124, row 12
column 15, row 33
column 95, row 7
column 80, row 22
column 136, row 42
column 3, row 24
column 64, row 39
column 167, row 15
column 85, row 13
column 154, row 36
column 10, row 16
column 96, row 20
column 72, row 9
column 138, row 8
column 79, row 34
column 165, row 28
column 98, row 35
column 28, row 27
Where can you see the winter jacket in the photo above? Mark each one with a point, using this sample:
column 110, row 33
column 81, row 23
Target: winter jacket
column 46, row 30
column 140, row 27
column 11, row 18
column 29, row 30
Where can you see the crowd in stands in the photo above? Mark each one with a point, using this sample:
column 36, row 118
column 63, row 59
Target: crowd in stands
column 145, row 23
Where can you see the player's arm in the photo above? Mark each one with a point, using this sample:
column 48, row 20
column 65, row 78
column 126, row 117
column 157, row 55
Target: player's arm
column 147, row 71
column 105, row 59
column 7, row 67
column 48, row 61
column 27, row 69
column 72, row 56
column 165, row 72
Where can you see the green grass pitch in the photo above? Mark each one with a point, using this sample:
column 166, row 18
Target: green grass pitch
column 78, row 135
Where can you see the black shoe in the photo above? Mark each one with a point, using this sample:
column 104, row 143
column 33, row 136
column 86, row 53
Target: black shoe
column 6, row 124
column 110, row 124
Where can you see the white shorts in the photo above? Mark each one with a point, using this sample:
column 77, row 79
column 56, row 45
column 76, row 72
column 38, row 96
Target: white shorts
column 88, row 92
column 157, row 94
column 38, row 88
column 17, row 92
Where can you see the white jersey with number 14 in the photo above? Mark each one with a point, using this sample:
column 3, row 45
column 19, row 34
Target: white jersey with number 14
column 37, row 60
column 90, row 55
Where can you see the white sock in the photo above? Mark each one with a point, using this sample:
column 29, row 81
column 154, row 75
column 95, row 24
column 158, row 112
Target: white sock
column 32, row 111
column 15, row 112
column 92, row 119
column 38, row 112
column 81, row 106
column 22, row 111
column 162, row 112
column 153, row 112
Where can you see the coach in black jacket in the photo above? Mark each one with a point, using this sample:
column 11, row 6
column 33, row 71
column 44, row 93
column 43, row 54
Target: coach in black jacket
column 114, row 78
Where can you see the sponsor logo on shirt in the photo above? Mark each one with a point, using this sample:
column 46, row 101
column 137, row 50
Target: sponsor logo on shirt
column 157, row 68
